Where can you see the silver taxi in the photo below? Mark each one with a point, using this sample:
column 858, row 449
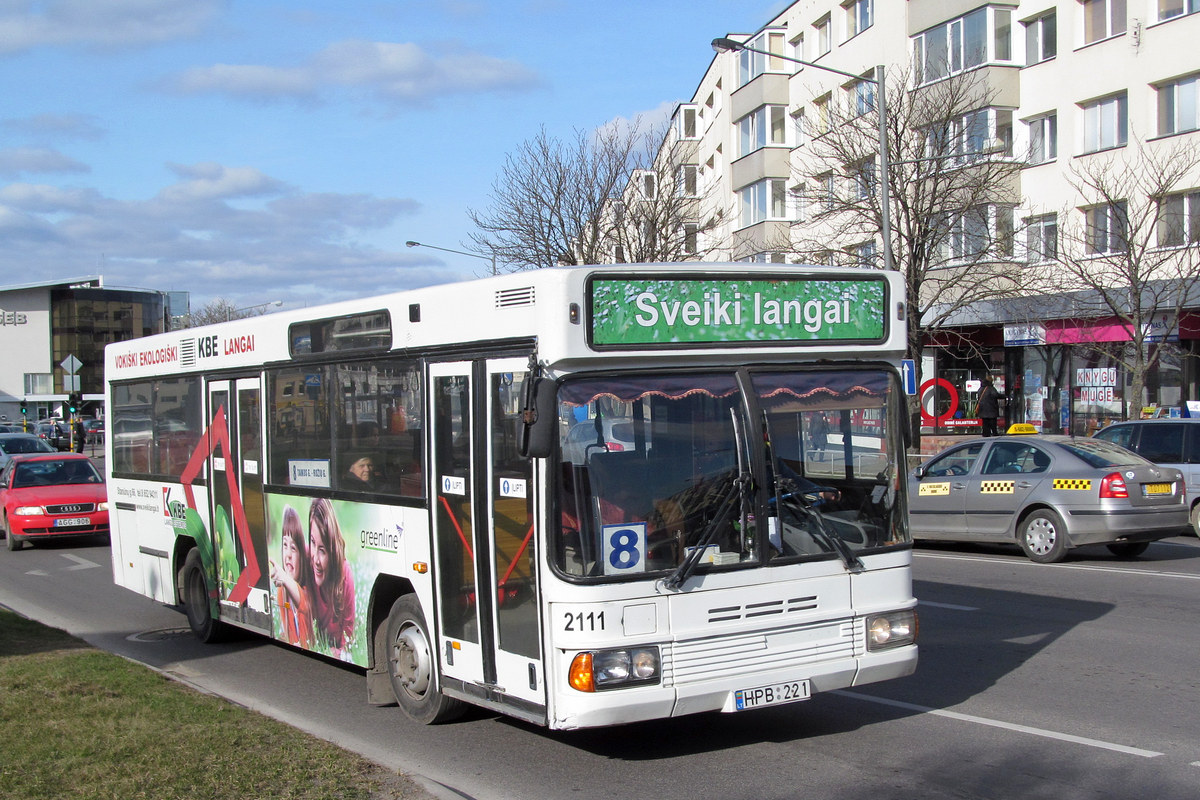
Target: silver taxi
column 1047, row 494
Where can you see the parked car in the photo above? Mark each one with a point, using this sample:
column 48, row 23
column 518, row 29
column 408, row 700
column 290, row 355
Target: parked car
column 54, row 433
column 1167, row 442
column 1047, row 494
column 94, row 429
column 51, row 494
column 17, row 443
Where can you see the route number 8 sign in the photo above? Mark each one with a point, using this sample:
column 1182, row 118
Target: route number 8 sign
column 624, row 548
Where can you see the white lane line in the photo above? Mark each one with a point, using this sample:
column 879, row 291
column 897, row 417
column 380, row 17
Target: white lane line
column 1080, row 567
column 949, row 606
column 1008, row 726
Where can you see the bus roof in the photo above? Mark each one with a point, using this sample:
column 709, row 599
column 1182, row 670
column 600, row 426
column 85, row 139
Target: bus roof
column 573, row 313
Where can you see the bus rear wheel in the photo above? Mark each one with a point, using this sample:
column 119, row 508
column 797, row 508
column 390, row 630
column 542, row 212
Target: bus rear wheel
column 412, row 666
column 194, row 592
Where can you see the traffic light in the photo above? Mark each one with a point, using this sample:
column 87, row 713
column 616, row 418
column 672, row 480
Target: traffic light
column 74, row 401
column 24, row 408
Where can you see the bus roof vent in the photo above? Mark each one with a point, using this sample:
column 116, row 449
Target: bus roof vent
column 522, row 296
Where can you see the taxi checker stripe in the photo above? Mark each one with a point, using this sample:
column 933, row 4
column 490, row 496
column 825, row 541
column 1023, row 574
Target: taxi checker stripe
column 1072, row 483
column 996, row 487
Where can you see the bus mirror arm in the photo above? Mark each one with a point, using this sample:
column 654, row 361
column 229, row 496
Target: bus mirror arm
column 538, row 429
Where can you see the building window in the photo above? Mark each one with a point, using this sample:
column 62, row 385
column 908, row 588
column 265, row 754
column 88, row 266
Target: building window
column 688, row 180
column 752, row 64
column 1041, row 38
column 687, row 122
column 764, row 126
column 863, row 179
column 1102, row 19
column 1179, row 219
column 821, row 114
column 1105, row 123
column 863, row 254
column 828, row 189
column 862, row 97
column 765, row 200
column 691, row 232
column 859, row 14
column 797, row 45
column 824, row 36
column 39, row 383
column 1106, row 228
column 647, row 184
column 1177, row 102
column 800, row 202
column 1168, row 9
column 798, row 124
column 1041, row 239
column 1043, row 138
column 952, row 47
column 970, row 138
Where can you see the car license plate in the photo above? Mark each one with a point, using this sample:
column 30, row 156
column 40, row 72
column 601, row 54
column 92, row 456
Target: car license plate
column 71, row 521
column 1158, row 488
column 775, row 695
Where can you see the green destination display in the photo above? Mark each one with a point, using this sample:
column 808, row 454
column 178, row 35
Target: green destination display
column 673, row 311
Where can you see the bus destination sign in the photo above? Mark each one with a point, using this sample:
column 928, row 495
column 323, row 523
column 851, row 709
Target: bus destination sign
column 679, row 312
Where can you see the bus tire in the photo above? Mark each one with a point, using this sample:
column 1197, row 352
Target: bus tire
column 412, row 666
column 193, row 586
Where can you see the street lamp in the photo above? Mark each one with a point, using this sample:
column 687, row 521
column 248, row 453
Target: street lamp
column 229, row 312
column 726, row 45
column 459, row 252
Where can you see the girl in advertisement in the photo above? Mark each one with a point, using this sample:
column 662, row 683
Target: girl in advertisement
column 293, row 578
column 332, row 590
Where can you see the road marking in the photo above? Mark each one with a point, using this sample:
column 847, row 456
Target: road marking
column 1008, row 726
column 41, row 573
column 80, row 562
column 949, row 606
column 1024, row 562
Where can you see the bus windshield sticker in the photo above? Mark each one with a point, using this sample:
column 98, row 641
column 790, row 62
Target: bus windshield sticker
column 630, row 312
column 624, row 548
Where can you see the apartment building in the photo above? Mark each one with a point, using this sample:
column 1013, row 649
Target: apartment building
column 1066, row 90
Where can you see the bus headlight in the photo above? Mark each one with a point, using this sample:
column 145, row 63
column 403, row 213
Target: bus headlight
column 894, row 629
column 614, row 669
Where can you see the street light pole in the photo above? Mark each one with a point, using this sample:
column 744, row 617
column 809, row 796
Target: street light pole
column 492, row 259
column 726, row 45
column 229, row 312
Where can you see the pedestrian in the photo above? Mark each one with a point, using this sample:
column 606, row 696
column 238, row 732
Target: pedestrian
column 989, row 406
column 80, row 435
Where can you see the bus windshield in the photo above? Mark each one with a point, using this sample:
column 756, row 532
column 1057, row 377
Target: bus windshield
column 726, row 470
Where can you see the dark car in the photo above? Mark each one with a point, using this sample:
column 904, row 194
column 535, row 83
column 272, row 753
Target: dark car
column 53, row 433
column 49, row 495
column 12, row 444
column 1167, row 442
column 1047, row 494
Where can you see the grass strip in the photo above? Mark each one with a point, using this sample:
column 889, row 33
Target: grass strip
column 82, row 723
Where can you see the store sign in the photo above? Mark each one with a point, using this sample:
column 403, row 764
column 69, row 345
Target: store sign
column 1024, row 335
column 13, row 318
column 669, row 312
column 1097, row 384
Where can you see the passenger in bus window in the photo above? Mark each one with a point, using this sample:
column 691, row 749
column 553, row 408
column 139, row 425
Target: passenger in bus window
column 292, row 578
column 361, row 474
column 332, row 592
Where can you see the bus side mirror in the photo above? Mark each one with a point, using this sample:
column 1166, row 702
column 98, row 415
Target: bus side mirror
column 540, row 419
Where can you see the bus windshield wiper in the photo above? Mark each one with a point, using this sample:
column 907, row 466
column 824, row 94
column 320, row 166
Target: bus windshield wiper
column 731, row 501
column 820, row 530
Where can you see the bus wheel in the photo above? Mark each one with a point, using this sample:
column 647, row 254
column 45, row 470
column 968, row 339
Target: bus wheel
column 194, row 588
column 411, row 666
column 1043, row 537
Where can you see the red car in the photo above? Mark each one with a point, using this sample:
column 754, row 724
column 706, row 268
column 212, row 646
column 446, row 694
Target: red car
column 52, row 494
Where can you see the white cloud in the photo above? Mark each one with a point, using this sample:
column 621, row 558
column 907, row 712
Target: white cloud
column 27, row 24
column 297, row 246
column 55, row 126
column 395, row 72
column 16, row 161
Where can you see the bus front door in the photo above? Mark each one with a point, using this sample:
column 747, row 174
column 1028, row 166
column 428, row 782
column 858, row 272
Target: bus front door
column 484, row 537
column 238, row 514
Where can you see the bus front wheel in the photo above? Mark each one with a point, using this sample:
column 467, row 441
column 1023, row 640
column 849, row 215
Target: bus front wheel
column 412, row 665
column 194, row 592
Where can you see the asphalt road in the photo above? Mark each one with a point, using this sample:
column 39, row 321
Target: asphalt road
column 1036, row 681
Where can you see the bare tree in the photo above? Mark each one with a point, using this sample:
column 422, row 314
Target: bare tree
column 602, row 196
column 953, row 187
column 1130, row 252
column 222, row 309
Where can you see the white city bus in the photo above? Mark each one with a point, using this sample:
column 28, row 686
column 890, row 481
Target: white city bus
column 579, row 496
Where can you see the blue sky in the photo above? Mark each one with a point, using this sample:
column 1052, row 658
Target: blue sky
column 263, row 150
